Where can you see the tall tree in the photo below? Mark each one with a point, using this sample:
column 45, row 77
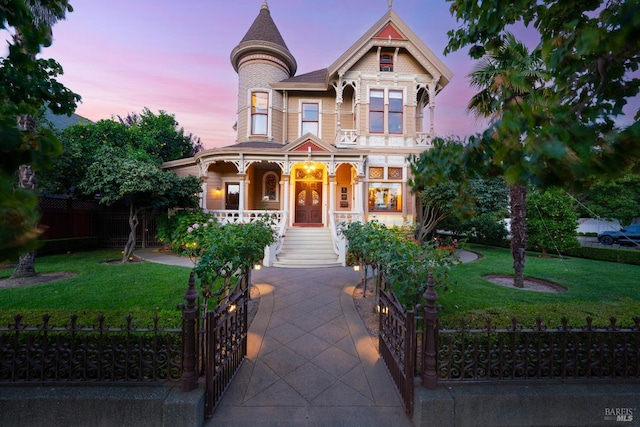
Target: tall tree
column 26, row 85
column 591, row 53
column 161, row 136
column 118, row 176
column 507, row 79
column 613, row 199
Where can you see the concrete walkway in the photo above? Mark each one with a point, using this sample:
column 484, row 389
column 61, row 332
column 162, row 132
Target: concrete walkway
column 310, row 360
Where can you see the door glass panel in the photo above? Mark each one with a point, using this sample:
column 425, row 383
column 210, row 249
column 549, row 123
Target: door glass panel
column 302, row 196
column 315, row 201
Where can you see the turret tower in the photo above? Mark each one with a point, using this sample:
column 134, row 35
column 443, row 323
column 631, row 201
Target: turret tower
column 262, row 57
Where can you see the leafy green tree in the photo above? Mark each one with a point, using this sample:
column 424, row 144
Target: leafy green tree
column 614, row 199
column 552, row 221
column 147, row 137
column 82, row 145
column 486, row 218
column 439, row 180
column 160, row 136
column 27, row 84
column 567, row 133
column 118, row 176
column 591, row 57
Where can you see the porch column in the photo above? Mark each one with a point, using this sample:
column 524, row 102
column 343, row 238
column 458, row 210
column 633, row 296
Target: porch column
column 241, row 196
column 332, row 194
column 203, row 195
column 285, row 193
column 359, row 196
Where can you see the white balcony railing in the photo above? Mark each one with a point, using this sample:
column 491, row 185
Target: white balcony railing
column 352, row 137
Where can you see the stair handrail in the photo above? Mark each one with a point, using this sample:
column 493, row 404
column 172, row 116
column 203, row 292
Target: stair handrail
column 338, row 240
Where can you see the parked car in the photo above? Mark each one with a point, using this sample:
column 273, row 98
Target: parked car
column 628, row 235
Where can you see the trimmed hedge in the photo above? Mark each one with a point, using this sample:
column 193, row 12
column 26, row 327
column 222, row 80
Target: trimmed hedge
column 597, row 253
column 623, row 256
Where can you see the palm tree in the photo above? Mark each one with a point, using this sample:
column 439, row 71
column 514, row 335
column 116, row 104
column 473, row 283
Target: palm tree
column 44, row 15
column 507, row 79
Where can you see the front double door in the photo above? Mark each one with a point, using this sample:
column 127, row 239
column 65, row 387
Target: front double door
column 308, row 202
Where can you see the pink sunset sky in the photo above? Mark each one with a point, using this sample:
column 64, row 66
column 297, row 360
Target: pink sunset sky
column 124, row 55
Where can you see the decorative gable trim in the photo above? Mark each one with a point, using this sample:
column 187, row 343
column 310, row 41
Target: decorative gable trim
column 309, row 141
column 388, row 25
column 390, row 32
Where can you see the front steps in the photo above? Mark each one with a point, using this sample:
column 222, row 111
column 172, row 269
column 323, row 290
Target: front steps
column 307, row 247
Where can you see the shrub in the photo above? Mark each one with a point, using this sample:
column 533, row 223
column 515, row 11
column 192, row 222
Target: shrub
column 174, row 230
column 624, row 256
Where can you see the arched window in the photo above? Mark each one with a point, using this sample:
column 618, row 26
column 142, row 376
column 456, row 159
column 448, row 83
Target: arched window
column 270, row 187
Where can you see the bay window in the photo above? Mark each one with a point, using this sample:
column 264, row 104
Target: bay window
column 386, row 110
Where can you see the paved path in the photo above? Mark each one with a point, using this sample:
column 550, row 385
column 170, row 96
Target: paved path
column 310, row 360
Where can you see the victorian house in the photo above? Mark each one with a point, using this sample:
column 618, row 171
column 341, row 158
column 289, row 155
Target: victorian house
column 316, row 149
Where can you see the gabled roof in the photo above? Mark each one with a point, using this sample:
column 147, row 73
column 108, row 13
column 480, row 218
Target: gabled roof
column 391, row 28
column 307, row 141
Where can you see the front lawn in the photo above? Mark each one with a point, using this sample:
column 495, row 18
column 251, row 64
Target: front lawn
column 595, row 288
column 141, row 289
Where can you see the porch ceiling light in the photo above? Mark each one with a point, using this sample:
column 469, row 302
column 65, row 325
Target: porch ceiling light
column 309, row 165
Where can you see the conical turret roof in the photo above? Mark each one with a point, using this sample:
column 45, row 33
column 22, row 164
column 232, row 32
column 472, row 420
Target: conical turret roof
column 264, row 36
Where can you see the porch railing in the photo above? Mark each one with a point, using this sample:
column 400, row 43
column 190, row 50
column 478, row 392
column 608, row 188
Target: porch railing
column 339, row 242
column 278, row 224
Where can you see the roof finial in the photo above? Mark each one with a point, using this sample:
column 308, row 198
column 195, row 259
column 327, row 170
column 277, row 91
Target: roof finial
column 390, row 4
column 264, row 5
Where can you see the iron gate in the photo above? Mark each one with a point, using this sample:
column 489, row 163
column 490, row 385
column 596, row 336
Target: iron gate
column 225, row 343
column 397, row 343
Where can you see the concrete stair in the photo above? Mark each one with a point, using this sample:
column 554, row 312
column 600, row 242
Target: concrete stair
column 307, row 247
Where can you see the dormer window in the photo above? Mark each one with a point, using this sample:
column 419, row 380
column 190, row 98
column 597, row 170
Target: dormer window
column 386, row 62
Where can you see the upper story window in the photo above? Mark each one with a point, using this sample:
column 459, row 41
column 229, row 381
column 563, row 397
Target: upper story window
column 395, row 111
column 386, row 116
column 259, row 113
column 376, row 111
column 310, row 118
column 386, row 62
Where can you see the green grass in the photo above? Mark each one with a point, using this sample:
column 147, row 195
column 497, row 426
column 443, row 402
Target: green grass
column 595, row 288
column 140, row 289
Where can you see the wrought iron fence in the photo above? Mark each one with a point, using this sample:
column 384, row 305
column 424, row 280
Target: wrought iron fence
column 397, row 343
column 490, row 353
column 215, row 340
column 98, row 353
column 516, row 353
